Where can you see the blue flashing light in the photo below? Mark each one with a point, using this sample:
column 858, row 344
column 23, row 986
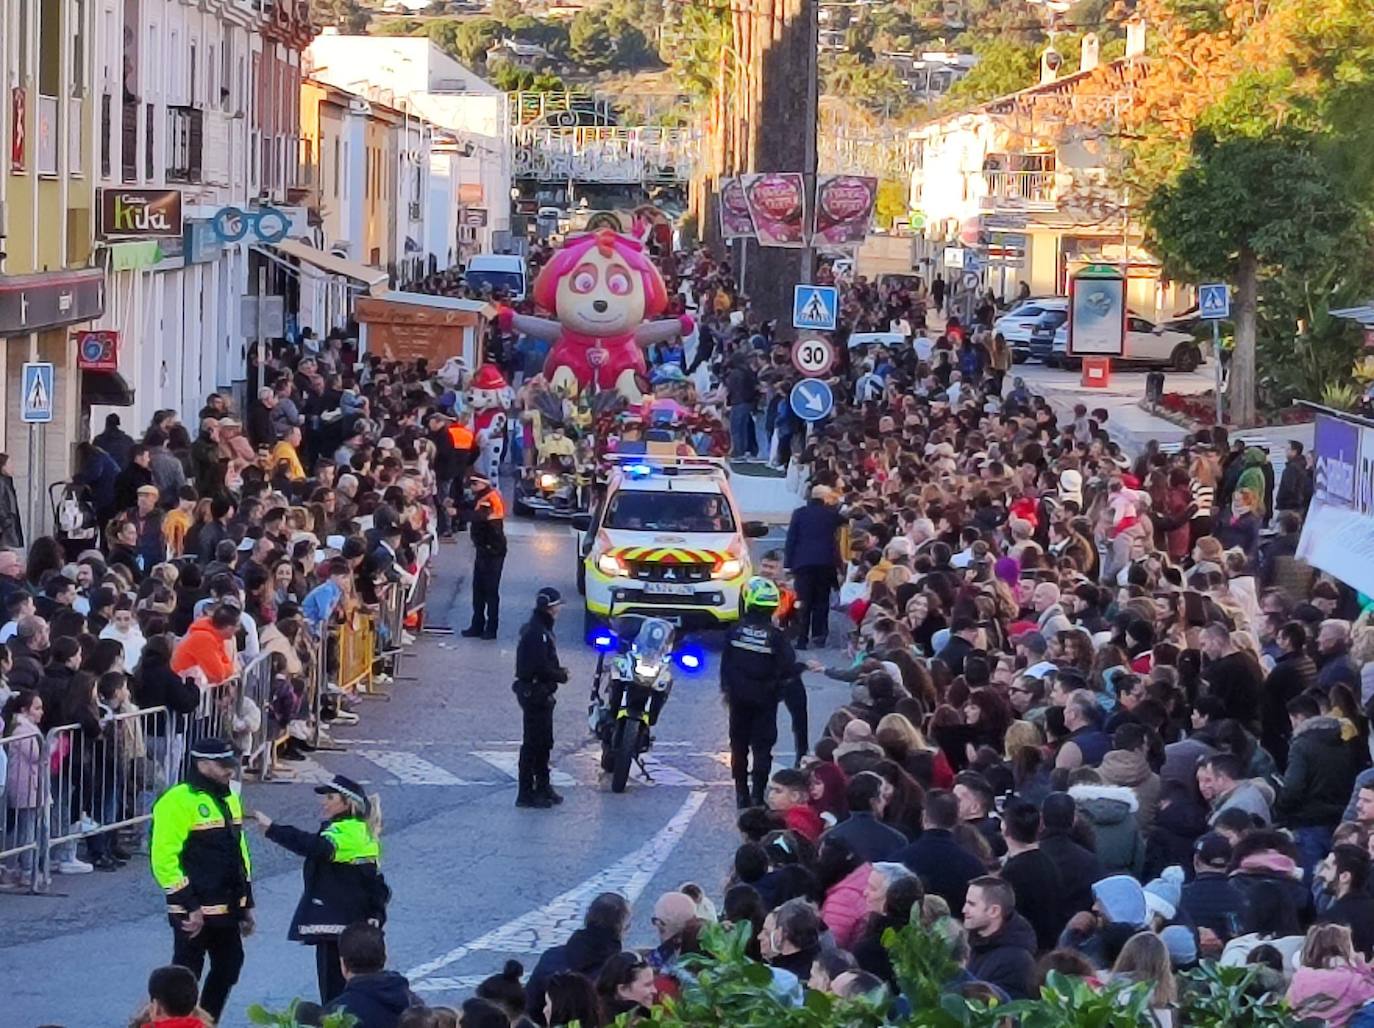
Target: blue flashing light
column 690, row 658
column 638, row 470
column 603, row 641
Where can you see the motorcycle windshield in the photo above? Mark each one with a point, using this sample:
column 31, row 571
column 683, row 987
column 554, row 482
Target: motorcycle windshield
column 653, row 643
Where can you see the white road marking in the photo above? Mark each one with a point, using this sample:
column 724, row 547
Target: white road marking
column 306, row 772
column 508, row 763
column 666, row 774
column 413, row 770
column 723, row 758
column 553, row 923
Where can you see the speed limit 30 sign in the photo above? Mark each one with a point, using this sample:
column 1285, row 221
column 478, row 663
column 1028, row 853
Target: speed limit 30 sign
column 813, row 356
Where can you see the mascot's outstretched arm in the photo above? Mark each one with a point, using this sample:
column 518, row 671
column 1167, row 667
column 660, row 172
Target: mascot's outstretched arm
column 651, row 332
column 528, row 325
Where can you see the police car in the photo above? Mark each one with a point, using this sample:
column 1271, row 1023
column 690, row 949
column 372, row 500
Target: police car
column 666, row 540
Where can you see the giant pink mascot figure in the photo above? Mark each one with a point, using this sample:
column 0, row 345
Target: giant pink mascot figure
column 600, row 287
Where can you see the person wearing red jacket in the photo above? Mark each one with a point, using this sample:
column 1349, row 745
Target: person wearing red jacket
column 788, row 795
column 207, row 645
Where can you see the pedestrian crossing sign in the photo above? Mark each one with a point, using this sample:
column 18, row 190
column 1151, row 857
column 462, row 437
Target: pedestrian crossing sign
column 815, row 307
column 35, row 393
column 1214, row 301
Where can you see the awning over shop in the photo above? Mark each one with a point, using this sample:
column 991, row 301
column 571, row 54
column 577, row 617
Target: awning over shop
column 376, row 280
column 105, row 388
column 134, row 256
column 1364, row 314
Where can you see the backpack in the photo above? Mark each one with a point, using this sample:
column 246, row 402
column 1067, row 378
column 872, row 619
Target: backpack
column 75, row 519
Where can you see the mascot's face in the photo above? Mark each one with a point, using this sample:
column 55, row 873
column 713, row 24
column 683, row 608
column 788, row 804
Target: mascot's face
column 602, row 296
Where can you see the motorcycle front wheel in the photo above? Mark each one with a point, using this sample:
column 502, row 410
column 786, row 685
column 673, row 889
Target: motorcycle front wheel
column 624, row 746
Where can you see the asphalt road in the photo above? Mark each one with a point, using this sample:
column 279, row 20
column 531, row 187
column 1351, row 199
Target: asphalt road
column 475, row 880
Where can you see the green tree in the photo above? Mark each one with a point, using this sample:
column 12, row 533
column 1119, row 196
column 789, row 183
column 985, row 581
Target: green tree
column 1003, row 67
column 875, row 87
column 474, row 38
column 505, row 10
column 345, row 15
column 590, row 43
column 1246, row 208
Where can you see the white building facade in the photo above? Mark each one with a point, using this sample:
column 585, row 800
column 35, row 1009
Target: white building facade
column 201, row 99
column 413, row 75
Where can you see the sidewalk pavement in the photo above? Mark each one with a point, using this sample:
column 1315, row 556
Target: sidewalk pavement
column 762, row 495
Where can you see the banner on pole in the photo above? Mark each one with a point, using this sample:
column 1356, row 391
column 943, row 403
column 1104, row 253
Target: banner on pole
column 777, row 204
column 735, row 220
column 844, row 209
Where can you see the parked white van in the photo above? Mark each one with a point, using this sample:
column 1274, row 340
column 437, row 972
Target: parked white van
column 506, row 271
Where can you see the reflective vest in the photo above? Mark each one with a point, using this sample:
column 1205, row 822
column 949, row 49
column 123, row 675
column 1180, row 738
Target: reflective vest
column 461, row 436
column 353, row 842
column 495, row 503
column 199, row 856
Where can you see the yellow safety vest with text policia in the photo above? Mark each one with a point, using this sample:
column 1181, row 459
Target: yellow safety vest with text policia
column 199, row 856
column 353, row 841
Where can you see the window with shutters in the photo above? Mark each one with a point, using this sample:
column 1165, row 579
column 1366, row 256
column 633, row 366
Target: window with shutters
column 106, row 133
column 149, row 147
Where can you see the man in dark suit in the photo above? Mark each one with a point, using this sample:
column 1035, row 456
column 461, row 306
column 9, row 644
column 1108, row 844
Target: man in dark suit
column 945, row 867
column 812, row 554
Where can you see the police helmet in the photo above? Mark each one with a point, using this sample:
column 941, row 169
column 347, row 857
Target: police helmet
column 761, row 594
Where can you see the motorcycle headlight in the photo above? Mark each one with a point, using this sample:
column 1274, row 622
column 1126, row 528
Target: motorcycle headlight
column 608, row 564
column 548, row 481
column 729, row 568
column 644, row 670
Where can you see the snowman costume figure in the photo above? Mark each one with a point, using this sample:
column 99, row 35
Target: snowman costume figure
column 490, row 398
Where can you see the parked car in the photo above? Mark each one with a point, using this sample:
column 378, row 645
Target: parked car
column 1146, row 343
column 1041, row 346
column 1015, row 325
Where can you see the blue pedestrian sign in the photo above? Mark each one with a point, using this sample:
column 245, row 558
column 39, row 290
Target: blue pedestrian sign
column 35, row 393
column 812, row 399
column 815, row 307
column 1214, row 301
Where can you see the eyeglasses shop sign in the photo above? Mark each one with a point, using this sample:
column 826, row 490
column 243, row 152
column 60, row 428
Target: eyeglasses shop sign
column 140, row 213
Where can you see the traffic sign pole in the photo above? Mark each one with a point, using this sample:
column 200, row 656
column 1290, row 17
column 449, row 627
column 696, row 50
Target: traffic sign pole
column 1216, row 370
column 1214, row 304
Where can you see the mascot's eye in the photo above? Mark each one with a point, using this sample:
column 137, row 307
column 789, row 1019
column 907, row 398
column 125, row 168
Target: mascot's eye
column 618, row 282
column 584, row 278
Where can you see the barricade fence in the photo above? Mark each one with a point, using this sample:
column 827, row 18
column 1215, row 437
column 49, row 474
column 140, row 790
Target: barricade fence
column 25, row 784
column 90, row 782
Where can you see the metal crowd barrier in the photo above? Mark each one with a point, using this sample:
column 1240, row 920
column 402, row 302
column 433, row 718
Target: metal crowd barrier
column 255, row 692
column 97, row 785
column 357, row 642
column 24, row 808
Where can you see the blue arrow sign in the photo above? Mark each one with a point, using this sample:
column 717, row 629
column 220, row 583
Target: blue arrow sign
column 812, row 399
column 1214, row 301
column 815, row 307
column 35, row 393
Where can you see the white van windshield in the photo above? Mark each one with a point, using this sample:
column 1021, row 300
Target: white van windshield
column 510, row 281
column 669, row 512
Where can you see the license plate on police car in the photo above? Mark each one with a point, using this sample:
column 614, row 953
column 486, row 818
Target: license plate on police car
column 667, row 589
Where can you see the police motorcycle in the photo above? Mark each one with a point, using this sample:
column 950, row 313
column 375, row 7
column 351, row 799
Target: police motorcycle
column 631, row 684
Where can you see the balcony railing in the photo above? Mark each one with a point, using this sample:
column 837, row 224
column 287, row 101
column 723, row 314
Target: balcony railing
column 1019, row 188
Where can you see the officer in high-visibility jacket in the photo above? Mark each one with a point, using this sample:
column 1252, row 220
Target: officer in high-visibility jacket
column 200, row 859
column 755, row 664
column 343, row 874
column 489, row 557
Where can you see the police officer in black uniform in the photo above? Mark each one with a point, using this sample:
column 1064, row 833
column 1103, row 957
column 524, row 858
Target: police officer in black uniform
column 755, row 664
column 538, row 674
column 489, row 546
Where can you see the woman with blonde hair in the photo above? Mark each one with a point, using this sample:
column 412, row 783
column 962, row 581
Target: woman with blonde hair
column 1022, row 734
column 1145, row 960
column 343, row 874
column 1331, row 982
